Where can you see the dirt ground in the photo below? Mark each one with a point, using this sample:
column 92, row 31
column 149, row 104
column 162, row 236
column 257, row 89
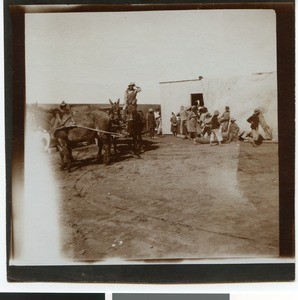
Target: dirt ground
column 178, row 200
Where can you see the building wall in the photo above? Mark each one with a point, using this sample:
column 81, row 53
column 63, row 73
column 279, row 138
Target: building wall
column 173, row 95
column 242, row 94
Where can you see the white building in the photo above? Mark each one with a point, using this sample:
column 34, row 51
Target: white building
column 241, row 93
column 173, row 94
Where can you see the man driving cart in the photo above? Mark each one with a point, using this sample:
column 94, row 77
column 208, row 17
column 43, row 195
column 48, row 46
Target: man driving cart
column 130, row 101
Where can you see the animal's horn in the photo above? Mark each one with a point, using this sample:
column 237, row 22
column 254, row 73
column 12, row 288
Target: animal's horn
column 118, row 100
column 111, row 101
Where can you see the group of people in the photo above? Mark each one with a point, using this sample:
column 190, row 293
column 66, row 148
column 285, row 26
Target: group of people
column 197, row 122
column 192, row 121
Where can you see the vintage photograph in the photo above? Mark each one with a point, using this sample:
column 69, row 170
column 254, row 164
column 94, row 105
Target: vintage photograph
column 149, row 136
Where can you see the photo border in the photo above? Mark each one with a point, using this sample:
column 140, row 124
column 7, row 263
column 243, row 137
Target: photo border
column 14, row 52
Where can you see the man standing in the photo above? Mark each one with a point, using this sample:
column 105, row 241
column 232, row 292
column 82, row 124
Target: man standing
column 191, row 123
column 254, row 125
column 225, row 119
column 151, row 123
column 183, row 118
column 174, row 124
column 215, row 129
column 130, row 99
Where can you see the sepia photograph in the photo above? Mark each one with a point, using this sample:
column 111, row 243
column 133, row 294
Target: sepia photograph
column 149, row 137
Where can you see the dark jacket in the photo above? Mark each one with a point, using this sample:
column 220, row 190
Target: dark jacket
column 215, row 122
column 151, row 121
column 254, row 121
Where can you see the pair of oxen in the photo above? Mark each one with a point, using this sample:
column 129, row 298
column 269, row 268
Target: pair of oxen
column 105, row 127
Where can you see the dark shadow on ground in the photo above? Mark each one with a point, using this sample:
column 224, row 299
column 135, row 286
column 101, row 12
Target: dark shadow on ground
column 125, row 150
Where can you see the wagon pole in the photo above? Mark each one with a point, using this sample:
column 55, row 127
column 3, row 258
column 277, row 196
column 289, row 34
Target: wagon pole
column 97, row 130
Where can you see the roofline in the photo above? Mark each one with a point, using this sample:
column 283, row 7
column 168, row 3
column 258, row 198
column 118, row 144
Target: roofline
column 175, row 81
column 186, row 80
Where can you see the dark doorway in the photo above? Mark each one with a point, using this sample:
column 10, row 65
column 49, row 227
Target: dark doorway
column 197, row 99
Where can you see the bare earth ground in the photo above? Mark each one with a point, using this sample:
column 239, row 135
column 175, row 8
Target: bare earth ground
column 179, row 200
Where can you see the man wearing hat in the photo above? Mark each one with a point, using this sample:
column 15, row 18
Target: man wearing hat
column 64, row 108
column 62, row 104
column 66, row 114
column 130, row 99
column 233, row 130
column 254, row 125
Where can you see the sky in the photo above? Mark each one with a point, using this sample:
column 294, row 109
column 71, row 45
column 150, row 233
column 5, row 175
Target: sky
column 91, row 57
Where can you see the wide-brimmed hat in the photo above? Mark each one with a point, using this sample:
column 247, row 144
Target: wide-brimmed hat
column 208, row 115
column 256, row 111
column 233, row 119
column 150, row 110
column 131, row 84
column 216, row 113
column 62, row 104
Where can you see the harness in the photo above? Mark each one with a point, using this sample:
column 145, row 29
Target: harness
column 88, row 128
column 69, row 127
